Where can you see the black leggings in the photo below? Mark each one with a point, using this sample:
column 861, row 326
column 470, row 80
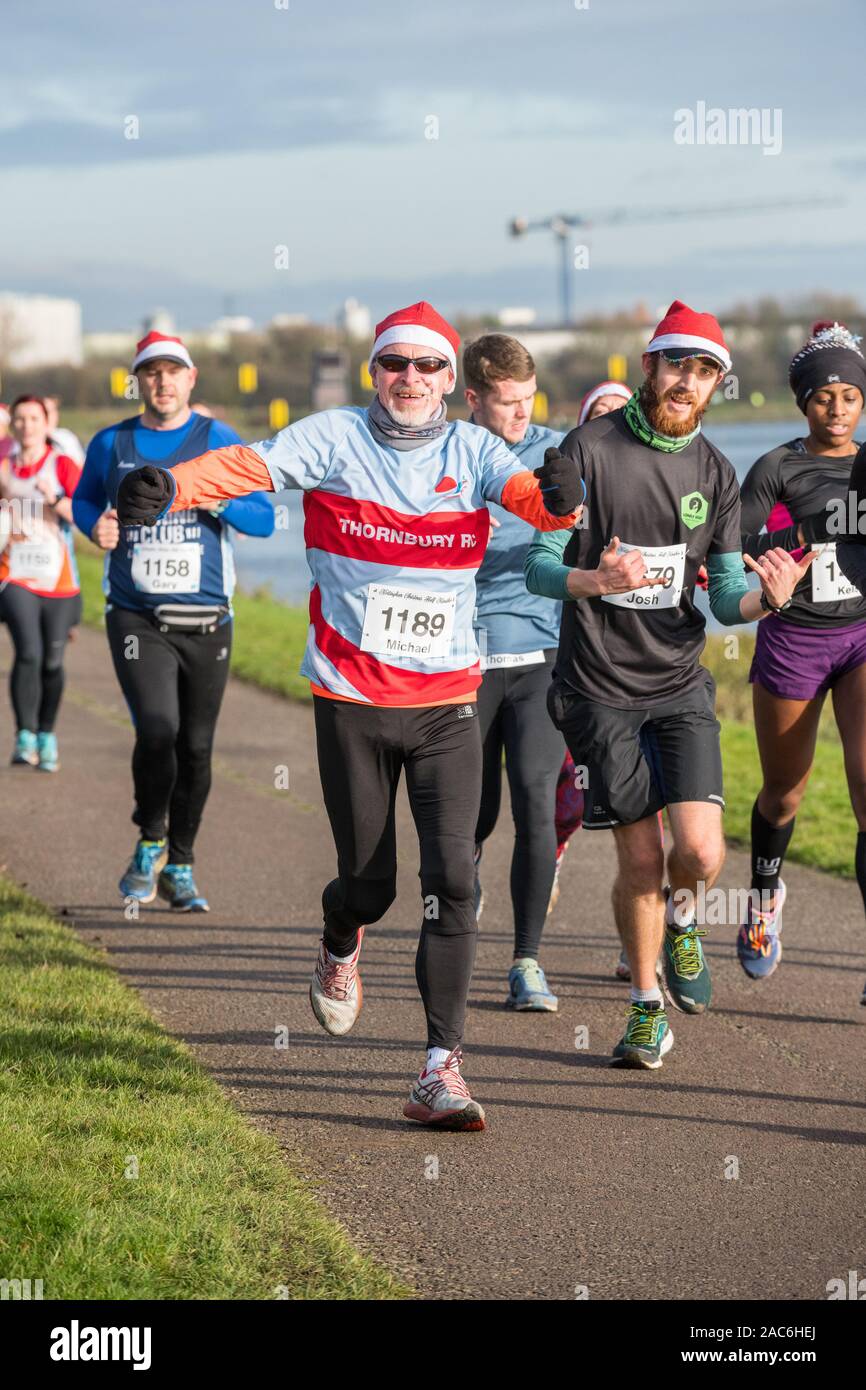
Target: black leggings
column 362, row 751
column 512, row 705
column 39, row 628
column 174, row 684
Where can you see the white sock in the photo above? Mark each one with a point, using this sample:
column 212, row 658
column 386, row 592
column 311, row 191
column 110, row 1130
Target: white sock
column 645, row 996
column 670, row 919
column 435, row 1057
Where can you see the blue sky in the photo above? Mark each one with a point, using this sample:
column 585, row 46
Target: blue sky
column 305, row 127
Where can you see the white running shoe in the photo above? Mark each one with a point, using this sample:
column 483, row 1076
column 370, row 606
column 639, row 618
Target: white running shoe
column 441, row 1097
column 335, row 990
column 623, row 969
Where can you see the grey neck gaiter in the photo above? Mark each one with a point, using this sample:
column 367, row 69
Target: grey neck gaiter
column 385, row 429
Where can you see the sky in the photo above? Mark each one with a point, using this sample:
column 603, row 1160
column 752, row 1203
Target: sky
column 304, row 124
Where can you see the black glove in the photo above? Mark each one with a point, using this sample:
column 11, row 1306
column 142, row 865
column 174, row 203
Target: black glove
column 142, row 495
column 561, row 484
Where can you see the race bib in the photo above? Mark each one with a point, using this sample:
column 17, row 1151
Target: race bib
column 494, row 661
column 164, row 568
column 36, row 562
column 408, row 622
column 667, row 562
column 829, row 584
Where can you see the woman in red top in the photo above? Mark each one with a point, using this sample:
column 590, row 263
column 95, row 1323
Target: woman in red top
column 39, row 593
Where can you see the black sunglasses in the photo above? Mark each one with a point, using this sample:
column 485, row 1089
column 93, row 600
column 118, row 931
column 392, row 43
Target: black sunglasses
column 427, row 366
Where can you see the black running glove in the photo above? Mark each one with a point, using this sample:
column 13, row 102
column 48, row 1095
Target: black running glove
column 561, row 484
column 142, row 495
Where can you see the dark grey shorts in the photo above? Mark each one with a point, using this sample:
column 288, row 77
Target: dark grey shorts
column 640, row 760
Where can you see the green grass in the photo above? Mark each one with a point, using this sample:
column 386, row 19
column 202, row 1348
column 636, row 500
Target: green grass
column 89, row 1081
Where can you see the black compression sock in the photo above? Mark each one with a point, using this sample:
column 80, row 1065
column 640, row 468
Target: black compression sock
column 769, row 843
column 860, row 863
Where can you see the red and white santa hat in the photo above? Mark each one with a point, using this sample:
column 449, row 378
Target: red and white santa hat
column 420, row 325
column 605, row 388
column 689, row 333
column 160, row 345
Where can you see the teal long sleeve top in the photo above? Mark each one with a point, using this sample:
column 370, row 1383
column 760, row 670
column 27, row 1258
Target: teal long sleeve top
column 545, row 574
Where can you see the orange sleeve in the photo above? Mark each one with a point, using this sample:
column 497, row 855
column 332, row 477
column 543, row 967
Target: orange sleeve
column 522, row 495
column 223, row 473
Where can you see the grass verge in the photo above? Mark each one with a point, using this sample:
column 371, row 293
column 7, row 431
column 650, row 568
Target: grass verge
column 93, row 1091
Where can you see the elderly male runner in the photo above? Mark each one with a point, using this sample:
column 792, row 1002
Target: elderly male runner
column 396, row 527
column 629, row 692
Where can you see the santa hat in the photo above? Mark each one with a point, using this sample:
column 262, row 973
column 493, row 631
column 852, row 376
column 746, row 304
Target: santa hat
column 606, row 388
column 420, row 325
column 5, row 417
column 699, row 335
column 160, row 345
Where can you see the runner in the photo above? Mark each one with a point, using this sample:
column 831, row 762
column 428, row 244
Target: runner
column 602, row 399
column 396, row 526
column 517, row 634
column 818, row 643
column 38, row 578
column 629, row 692
column 168, row 616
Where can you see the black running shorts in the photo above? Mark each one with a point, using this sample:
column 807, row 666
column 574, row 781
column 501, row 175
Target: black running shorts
column 638, row 761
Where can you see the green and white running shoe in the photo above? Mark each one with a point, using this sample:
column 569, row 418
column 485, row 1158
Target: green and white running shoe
column 646, row 1040
column 686, row 973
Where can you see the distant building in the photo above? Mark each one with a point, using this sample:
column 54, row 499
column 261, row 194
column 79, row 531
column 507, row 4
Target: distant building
column 37, row 330
column 355, row 320
column 329, row 387
column 516, row 316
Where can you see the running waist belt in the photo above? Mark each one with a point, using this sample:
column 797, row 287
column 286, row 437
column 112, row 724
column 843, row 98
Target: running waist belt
column 189, row 617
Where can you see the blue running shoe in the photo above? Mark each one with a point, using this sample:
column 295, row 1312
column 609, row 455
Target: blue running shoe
column 25, row 753
column 177, row 886
column 46, row 747
column 528, row 988
column 759, row 947
column 139, row 881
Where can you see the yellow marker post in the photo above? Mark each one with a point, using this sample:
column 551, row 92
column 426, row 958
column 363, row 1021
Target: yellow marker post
column 278, row 413
column 540, row 408
column 366, row 379
column 617, row 367
column 117, row 381
column 248, row 378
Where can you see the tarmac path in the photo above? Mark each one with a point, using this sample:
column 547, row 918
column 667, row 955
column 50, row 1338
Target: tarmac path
column 587, row 1177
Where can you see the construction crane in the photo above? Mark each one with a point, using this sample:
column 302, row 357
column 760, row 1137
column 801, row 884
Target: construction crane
column 563, row 225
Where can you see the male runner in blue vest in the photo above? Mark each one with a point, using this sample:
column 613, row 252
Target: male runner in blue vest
column 168, row 615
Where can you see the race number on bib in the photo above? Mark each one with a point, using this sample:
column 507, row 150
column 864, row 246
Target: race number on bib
column 408, row 622
column 36, row 562
column 829, row 584
column 666, row 562
column 167, row 569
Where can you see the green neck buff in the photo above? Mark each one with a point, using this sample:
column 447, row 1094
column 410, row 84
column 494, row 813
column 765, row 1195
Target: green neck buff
column 643, row 430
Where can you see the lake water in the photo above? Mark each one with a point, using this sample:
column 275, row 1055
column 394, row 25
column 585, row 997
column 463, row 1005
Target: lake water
column 280, row 561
